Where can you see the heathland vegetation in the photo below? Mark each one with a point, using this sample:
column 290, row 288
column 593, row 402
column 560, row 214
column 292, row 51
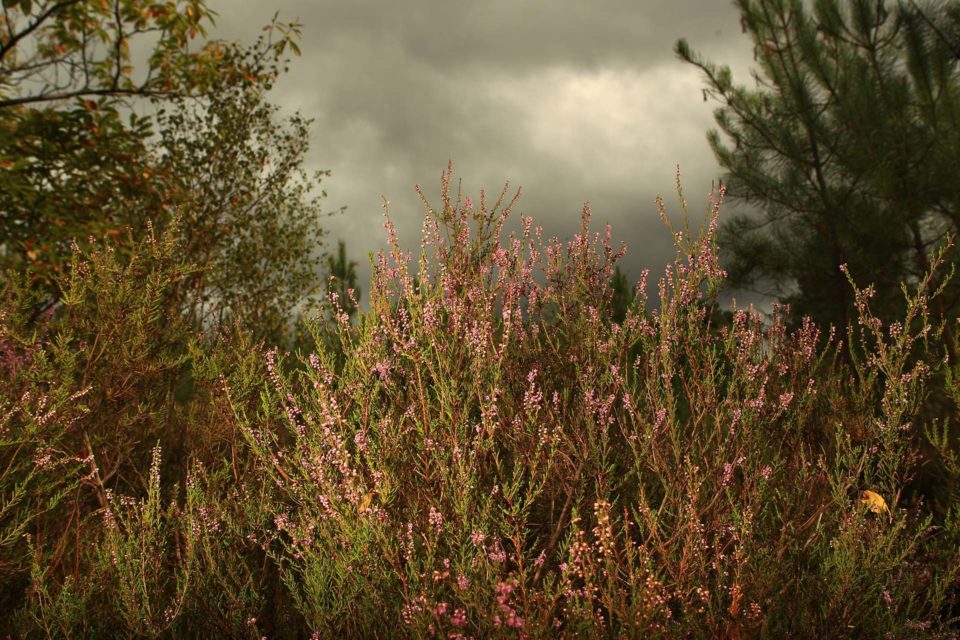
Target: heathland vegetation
column 512, row 442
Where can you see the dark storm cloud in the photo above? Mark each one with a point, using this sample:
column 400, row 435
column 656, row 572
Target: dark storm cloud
column 573, row 101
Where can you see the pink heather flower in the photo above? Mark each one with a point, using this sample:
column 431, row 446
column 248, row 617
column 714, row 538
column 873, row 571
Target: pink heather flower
column 409, row 541
column 503, row 590
column 661, row 416
column 532, row 397
column 736, row 419
column 462, row 582
column 514, row 621
column 728, row 470
column 436, row 519
column 785, row 400
column 727, row 474
column 360, row 440
column 459, row 618
column 383, row 369
column 497, row 555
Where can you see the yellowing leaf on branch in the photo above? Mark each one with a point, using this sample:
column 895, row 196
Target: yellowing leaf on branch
column 874, row 501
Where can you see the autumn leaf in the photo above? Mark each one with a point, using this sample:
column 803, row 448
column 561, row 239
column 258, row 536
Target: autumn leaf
column 365, row 501
column 874, row 501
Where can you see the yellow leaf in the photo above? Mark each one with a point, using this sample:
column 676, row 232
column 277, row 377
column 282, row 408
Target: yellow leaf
column 365, row 501
column 874, row 501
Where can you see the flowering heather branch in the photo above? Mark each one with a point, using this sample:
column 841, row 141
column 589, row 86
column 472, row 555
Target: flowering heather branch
column 489, row 452
column 525, row 466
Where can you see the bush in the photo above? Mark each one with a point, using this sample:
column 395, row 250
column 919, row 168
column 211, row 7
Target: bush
column 496, row 456
column 487, row 453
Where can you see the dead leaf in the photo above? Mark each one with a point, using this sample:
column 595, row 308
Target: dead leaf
column 874, row 501
column 365, row 501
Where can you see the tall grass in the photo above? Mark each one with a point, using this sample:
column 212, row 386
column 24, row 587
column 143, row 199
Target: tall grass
column 487, row 453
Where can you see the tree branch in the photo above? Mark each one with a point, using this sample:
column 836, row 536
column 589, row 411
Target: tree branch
column 141, row 92
column 6, row 47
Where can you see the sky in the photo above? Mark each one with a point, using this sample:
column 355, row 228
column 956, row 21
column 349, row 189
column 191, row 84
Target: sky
column 579, row 101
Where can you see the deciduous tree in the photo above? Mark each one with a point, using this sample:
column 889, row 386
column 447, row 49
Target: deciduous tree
column 92, row 144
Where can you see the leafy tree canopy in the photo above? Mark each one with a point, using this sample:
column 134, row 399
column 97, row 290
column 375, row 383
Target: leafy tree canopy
column 79, row 160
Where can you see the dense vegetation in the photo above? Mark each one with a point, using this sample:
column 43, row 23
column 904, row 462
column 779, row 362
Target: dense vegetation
column 485, row 454
column 507, row 444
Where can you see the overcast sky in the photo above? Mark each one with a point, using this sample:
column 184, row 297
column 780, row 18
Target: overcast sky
column 575, row 101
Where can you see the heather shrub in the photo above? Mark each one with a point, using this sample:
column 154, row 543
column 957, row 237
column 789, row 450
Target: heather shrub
column 492, row 455
column 159, row 568
column 38, row 407
column 88, row 382
column 90, row 387
column 500, row 447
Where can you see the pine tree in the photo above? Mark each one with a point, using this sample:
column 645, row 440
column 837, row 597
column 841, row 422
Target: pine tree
column 343, row 277
column 846, row 146
column 623, row 295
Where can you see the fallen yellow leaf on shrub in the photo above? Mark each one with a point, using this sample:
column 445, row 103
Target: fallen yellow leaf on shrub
column 365, row 502
column 874, row 501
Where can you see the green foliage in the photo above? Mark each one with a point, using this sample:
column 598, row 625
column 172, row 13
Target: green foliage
column 55, row 50
column 846, row 146
column 88, row 391
column 623, row 295
column 86, row 384
column 73, row 166
column 68, row 174
column 213, row 152
column 249, row 221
